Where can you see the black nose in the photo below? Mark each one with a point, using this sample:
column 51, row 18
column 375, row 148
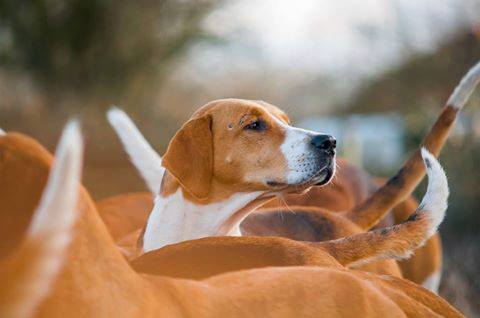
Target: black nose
column 324, row 142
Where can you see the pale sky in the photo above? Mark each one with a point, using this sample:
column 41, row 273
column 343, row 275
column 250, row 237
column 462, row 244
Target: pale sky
column 315, row 53
column 341, row 35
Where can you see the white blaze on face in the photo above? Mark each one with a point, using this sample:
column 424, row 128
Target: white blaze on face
column 298, row 153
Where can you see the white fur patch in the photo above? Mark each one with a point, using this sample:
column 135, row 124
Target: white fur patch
column 53, row 221
column 298, row 154
column 295, row 149
column 56, row 208
column 432, row 283
column 174, row 219
column 143, row 156
column 466, row 87
column 2, row 132
column 435, row 201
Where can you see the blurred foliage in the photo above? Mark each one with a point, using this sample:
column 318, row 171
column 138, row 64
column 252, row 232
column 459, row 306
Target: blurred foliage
column 424, row 83
column 98, row 47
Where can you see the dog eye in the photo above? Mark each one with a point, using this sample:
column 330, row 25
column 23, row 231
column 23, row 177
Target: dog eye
column 256, row 125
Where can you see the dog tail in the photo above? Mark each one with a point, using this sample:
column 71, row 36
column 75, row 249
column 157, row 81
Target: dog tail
column 399, row 241
column 143, row 156
column 368, row 213
column 28, row 274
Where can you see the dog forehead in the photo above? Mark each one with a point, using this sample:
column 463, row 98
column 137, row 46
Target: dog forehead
column 234, row 109
column 275, row 111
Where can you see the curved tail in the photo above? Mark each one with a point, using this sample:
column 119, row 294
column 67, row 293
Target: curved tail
column 371, row 211
column 143, row 156
column 27, row 275
column 399, row 241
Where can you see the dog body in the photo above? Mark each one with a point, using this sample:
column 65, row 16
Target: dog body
column 125, row 213
column 96, row 281
column 364, row 215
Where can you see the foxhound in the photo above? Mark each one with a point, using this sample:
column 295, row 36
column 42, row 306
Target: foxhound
column 183, row 214
column 96, row 281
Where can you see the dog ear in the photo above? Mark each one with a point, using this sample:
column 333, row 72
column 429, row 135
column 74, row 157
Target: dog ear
column 189, row 157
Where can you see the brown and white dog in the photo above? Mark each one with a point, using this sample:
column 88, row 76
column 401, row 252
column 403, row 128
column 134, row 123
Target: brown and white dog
column 207, row 257
column 96, row 281
column 299, row 225
column 228, row 159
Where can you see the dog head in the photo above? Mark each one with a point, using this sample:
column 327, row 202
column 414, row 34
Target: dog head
column 247, row 146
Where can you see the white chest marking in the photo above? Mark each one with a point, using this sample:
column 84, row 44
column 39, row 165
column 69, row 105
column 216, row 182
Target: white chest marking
column 432, row 282
column 174, row 219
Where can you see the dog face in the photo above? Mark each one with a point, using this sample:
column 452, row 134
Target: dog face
column 248, row 146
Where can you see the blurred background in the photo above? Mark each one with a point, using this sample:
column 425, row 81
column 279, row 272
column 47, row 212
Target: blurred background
column 374, row 73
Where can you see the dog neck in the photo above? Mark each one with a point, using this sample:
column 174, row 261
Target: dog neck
column 176, row 217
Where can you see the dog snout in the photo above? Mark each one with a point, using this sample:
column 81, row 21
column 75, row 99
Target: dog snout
column 324, row 142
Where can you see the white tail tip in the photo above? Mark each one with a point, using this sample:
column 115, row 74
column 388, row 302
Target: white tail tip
column 143, row 156
column 52, row 224
column 467, row 85
column 435, row 201
column 116, row 115
column 57, row 206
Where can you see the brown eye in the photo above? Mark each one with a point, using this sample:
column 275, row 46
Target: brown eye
column 257, row 125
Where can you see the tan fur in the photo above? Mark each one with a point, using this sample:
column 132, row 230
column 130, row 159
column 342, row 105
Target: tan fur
column 207, row 257
column 29, row 272
column 338, row 228
column 214, row 133
column 368, row 213
column 384, row 267
column 435, row 140
column 97, row 281
column 193, row 141
column 124, row 213
column 18, row 274
column 306, row 224
column 350, row 187
column 408, row 236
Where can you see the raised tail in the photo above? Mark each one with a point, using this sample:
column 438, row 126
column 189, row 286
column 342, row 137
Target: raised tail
column 399, row 241
column 27, row 275
column 399, row 187
column 143, row 156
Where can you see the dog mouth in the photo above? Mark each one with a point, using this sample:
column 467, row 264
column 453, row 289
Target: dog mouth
column 320, row 178
column 325, row 175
